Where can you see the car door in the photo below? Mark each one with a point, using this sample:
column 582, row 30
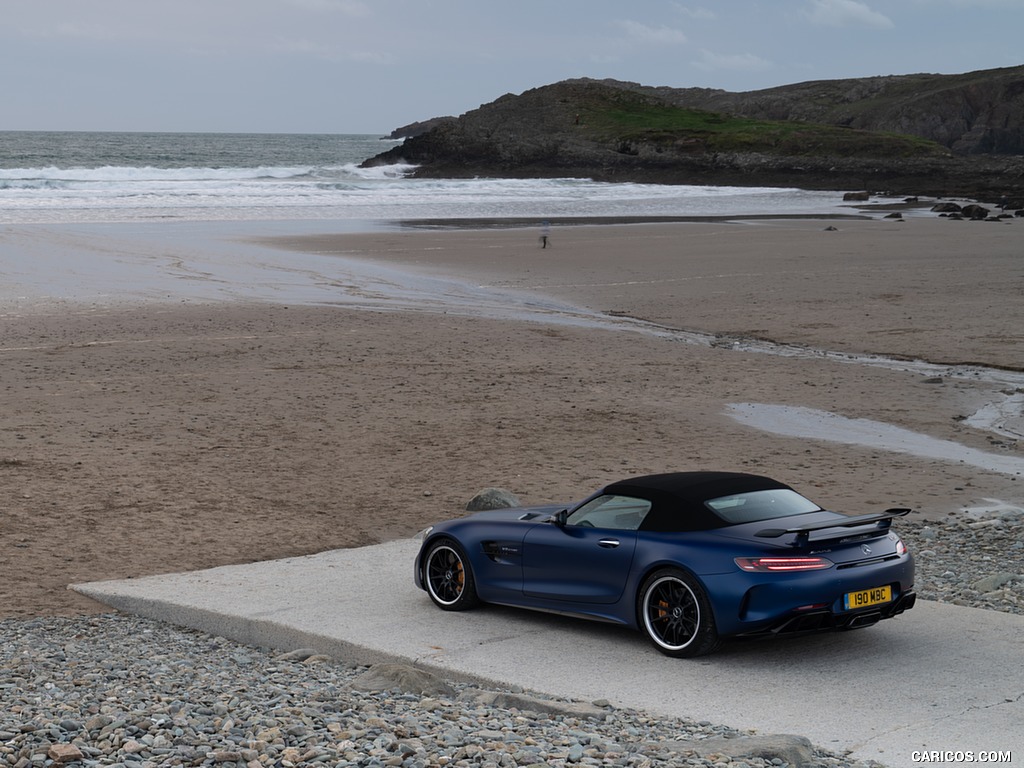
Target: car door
column 586, row 559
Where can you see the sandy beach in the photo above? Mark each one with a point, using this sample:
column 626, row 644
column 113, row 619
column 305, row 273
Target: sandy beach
column 173, row 430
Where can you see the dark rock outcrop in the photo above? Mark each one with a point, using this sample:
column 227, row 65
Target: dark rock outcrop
column 583, row 128
column 415, row 129
column 975, row 211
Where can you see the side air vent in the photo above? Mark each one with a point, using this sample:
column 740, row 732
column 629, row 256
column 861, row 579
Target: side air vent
column 501, row 552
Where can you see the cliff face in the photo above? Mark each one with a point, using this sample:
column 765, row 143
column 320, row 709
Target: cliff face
column 973, row 113
column 824, row 135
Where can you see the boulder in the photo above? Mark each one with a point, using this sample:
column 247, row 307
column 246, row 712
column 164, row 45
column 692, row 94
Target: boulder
column 857, row 196
column 529, row 703
column 946, row 208
column 975, row 211
column 492, row 498
column 406, row 678
column 797, row 751
column 995, row 581
column 300, row 654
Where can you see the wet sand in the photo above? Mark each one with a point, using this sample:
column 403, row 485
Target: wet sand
column 151, row 434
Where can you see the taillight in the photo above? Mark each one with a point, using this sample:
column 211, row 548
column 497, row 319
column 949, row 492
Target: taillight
column 901, row 548
column 782, row 564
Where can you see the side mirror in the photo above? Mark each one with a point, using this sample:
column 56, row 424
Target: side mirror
column 560, row 517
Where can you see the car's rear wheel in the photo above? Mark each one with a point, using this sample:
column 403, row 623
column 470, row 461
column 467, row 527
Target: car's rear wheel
column 676, row 615
column 448, row 576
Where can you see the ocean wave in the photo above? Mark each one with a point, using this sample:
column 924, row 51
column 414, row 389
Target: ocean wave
column 54, row 177
column 237, row 179
column 381, row 172
column 115, row 174
column 21, row 184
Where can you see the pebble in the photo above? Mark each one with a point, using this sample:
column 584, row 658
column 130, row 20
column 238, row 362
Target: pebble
column 127, row 692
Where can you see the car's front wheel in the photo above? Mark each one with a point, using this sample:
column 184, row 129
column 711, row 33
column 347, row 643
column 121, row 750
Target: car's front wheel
column 448, row 576
column 676, row 615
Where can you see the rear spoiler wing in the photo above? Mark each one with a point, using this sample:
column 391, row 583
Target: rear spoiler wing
column 854, row 526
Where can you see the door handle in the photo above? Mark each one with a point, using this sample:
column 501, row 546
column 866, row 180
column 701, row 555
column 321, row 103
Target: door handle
column 609, row 543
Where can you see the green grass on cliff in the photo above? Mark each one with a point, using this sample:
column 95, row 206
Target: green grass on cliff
column 674, row 129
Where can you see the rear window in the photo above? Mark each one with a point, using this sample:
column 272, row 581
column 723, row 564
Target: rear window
column 756, row 506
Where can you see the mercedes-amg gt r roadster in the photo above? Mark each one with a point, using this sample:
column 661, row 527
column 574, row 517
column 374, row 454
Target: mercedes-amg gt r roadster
column 687, row 558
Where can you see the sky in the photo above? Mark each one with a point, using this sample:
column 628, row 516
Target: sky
column 369, row 66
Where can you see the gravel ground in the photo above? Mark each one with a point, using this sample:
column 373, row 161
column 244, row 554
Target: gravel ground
column 125, row 691
column 973, row 558
column 121, row 690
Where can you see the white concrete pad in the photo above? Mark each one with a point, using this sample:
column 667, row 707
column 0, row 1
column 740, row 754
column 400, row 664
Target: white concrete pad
column 939, row 678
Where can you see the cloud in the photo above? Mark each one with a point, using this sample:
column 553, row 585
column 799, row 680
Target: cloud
column 1013, row 4
column 737, row 62
column 701, row 14
column 659, row 35
column 349, row 7
column 846, row 13
column 328, row 52
column 81, row 31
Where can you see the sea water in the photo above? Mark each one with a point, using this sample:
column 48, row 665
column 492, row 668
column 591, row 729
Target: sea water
column 71, row 177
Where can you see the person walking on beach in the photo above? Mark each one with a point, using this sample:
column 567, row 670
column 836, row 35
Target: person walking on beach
column 545, row 232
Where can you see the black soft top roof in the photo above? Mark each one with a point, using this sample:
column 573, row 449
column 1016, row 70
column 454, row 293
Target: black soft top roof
column 678, row 497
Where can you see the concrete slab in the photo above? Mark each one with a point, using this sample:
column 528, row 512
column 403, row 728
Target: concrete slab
column 939, row 678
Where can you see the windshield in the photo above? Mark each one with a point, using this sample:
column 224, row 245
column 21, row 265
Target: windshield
column 621, row 513
column 756, row 506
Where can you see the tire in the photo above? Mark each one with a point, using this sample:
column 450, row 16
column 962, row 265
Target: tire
column 449, row 577
column 675, row 614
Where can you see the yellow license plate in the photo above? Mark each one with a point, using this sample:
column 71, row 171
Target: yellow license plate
column 867, row 597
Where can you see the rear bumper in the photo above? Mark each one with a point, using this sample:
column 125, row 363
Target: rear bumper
column 828, row 621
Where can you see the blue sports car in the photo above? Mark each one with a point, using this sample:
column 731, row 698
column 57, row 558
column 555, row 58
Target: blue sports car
column 688, row 558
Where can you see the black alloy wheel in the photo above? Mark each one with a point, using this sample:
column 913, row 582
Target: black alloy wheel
column 448, row 576
column 676, row 614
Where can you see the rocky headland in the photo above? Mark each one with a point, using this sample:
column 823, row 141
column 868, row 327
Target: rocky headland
column 936, row 135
